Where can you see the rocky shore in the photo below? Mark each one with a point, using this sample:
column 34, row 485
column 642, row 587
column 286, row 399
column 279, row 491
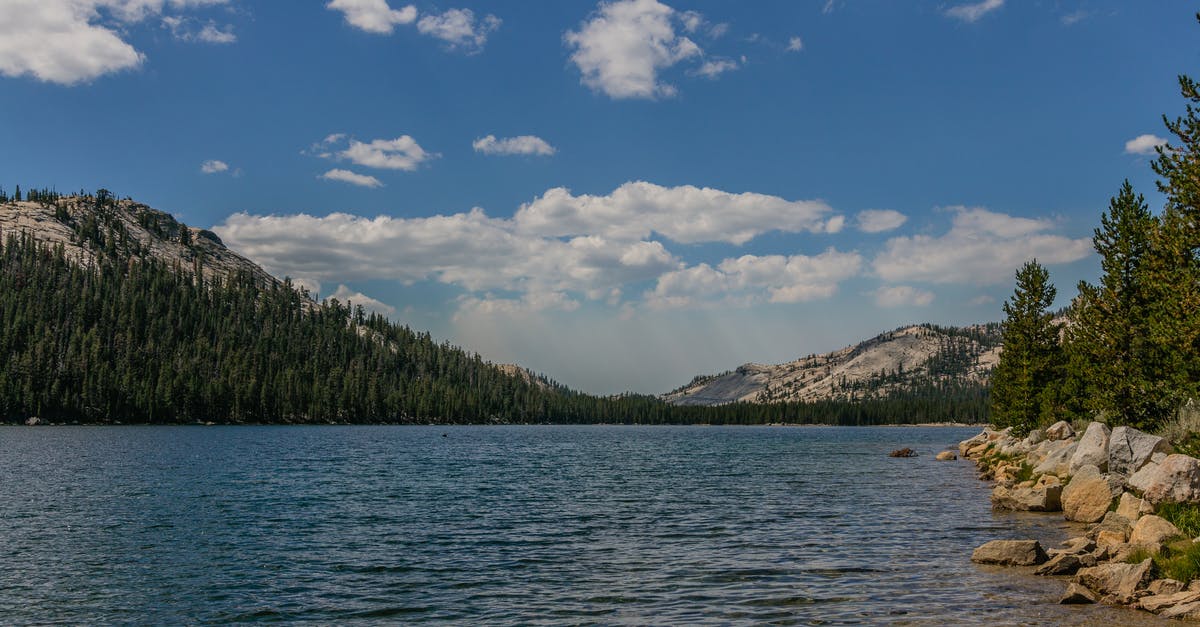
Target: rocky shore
column 1141, row 499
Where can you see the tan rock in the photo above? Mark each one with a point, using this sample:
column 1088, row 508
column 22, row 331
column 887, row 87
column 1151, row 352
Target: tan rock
column 1151, row 530
column 1175, row 480
column 1092, row 448
column 1187, row 611
column 1010, row 553
column 1047, row 480
column 1057, row 461
column 1163, row 587
column 1086, row 498
column 1060, row 430
column 1132, row 507
column 1065, row 564
column 1077, row 594
column 946, row 456
column 1079, row 544
column 1118, row 581
column 1027, row 499
column 1159, row 602
column 1109, row 537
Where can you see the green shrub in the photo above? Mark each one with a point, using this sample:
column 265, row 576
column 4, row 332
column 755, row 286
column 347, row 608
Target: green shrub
column 1186, row 516
column 1179, row 561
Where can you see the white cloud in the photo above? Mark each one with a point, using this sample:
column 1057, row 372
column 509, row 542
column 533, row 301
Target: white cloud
column 716, row 67
column 879, row 220
column 622, row 47
column 974, row 11
column 685, row 214
column 345, row 295
column 185, row 29
column 982, row 247
column 74, row 41
column 346, row 176
column 402, row 153
column 982, row 299
column 213, row 166
column 902, row 296
column 751, row 279
column 586, row 248
column 532, row 302
column 373, row 16
column 1144, row 144
column 1070, row 19
column 795, row 44
column 459, row 29
column 519, row 145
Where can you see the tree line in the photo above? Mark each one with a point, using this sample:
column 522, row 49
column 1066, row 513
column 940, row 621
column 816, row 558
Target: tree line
column 1128, row 351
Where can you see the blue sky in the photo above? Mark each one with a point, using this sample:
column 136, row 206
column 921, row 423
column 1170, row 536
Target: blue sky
column 619, row 194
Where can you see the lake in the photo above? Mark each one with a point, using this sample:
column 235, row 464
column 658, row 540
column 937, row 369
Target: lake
column 509, row 525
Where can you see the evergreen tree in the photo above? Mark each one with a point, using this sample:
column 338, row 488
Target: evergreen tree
column 1107, row 343
column 1172, row 267
column 1031, row 361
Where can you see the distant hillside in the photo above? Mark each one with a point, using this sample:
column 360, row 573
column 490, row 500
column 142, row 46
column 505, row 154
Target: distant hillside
column 906, row 360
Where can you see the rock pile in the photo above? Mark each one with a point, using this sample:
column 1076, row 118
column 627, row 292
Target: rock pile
column 1117, row 480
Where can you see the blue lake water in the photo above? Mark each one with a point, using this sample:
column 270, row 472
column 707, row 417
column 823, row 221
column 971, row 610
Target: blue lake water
column 508, row 525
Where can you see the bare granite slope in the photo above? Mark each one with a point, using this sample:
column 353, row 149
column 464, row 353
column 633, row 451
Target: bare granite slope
column 889, row 362
column 79, row 223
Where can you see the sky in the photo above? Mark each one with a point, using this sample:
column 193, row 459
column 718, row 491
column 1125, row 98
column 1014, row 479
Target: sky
column 620, row 194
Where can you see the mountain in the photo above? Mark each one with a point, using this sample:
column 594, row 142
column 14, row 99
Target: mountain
column 907, row 360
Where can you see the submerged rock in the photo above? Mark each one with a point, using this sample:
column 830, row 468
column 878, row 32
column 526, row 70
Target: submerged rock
column 1010, row 553
column 1077, row 595
column 946, row 456
column 903, row 452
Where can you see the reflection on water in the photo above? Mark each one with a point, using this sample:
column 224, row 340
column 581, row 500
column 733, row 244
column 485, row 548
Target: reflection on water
column 509, row 525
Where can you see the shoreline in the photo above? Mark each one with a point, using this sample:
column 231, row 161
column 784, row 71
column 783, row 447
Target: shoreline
column 1128, row 487
column 922, row 425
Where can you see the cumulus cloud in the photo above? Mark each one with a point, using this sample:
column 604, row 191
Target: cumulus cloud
column 459, row 29
column 346, row 295
column 879, row 220
column 902, row 296
column 214, row 166
column 982, row 247
column 795, row 44
column 75, row 41
column 519, row 145
column 590, row 248
column 373, row 16
column 188, row 29
column 713, row 68
column 346, row 176
column 402, row 153
column 1144, row 144
column 751, row 279
column 684, row 214
column 623, row 46
column 973, row 12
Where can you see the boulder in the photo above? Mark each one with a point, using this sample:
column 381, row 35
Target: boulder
column 1010, row 553
column 1092, row 449
column 1077, row 545
column 1058, row 460
column 1028, row 499
column 1065, row 564
column 1077, row 594
column 1060, row 430
column 1164, row 587
column 1150, row 530
column 1175, row 480
column 33, row 421
column 1130, row 449
column 1186, row 611
column 946, row 456
column 1131, row 507
column 1159, row 602
column 971, row 443
column 1119, row 582
column 903, row 452
column 1087, row 497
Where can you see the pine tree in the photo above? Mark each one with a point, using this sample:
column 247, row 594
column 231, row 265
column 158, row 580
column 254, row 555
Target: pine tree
column 1108, row 340
column 1172, row 267
column 1031, row 361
